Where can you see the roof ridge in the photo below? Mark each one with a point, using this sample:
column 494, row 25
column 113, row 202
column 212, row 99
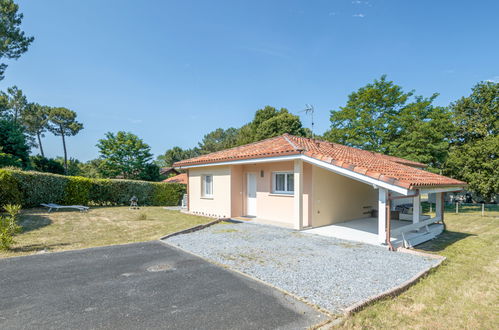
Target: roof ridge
column 286, row 137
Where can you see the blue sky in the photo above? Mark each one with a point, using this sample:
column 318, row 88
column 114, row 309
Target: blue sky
column 171, row 71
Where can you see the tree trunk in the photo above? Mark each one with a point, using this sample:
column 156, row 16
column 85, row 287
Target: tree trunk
column 65, row 152
column 40, row 144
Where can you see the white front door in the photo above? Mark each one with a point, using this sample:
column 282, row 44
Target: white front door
column 251, row 194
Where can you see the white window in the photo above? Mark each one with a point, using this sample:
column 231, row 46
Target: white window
column 284, row 182
column 207, row 186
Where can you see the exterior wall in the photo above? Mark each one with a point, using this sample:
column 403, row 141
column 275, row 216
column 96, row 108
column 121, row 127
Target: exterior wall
column 237, row 192
column 269, row 206
column 220, row 204
column 337, row 198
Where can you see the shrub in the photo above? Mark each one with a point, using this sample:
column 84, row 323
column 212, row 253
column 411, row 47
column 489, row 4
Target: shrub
column 77, row 190
column 9, row 189
column 37, row 188
column 31, row 188
column 9, row 226
column 168, row 193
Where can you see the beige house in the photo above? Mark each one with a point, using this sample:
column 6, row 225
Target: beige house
column 318, row 186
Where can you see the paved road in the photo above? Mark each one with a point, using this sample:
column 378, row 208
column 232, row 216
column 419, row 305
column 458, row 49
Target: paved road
column 146, row 285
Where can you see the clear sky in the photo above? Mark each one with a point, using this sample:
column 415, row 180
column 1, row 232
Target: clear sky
column 171, row 71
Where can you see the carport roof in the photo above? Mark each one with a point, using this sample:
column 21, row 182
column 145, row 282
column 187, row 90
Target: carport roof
column 393, row 170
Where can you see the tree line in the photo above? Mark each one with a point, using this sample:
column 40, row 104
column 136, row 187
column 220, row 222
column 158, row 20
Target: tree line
column 460, row 140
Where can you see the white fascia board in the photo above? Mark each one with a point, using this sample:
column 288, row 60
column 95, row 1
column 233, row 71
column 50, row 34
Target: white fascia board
column 333, row 168
column 356, row 176
column 247, row 161
column 440, row 189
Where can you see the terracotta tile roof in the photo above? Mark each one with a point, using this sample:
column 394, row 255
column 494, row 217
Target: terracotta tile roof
column 393, row 170
column 180, row 178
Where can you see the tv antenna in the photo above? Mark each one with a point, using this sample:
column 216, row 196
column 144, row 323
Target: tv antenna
column 309, row 110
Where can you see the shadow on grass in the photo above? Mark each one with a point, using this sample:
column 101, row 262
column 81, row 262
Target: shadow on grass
column 31, row 222
column 444, row 240
column 37, row 247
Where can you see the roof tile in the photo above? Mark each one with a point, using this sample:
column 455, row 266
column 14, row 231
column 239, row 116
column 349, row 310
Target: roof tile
column 398, row 171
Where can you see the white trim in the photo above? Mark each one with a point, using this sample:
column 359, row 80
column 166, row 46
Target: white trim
column 286, row 178
column 247, row 161
column 439, row 190
column 356, row 176
column 382, row 199
column 203, row 186
column 298, row 194
column 337, row 169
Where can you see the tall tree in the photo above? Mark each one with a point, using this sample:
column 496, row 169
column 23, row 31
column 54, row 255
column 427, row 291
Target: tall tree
column 217, row 140
column 14, row 149
column 62, row 122
column 13, row 41
column 381, row 117
column 17, row 102
column 477, row 115
column 367, row 120
column 474, row 155
column 175, row 154
column 123, row 154
column 35, row 119
column 269, row 122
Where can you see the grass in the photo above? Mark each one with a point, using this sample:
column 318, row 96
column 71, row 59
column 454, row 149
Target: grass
column 462, row 293
column 69, row 230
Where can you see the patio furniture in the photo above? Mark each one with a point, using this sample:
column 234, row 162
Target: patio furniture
column 53, row 206
column 134, row 203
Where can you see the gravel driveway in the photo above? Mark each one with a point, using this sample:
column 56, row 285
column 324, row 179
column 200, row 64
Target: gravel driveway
column 328, row 272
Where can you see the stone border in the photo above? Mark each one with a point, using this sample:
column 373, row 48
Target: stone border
column 399, row 288
column 192, row 229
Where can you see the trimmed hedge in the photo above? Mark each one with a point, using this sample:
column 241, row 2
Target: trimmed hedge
column 30, row 189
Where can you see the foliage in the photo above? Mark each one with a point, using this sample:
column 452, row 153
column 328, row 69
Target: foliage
column 90, row 169
column 43, row 164
column 381, row 117
column 284, row 122
column 123, row 154
column 174, row 155
column 474, row 155
column 77, row 190
column 9, row 226
column 13, row 41
column 17, row 102
column 13, row 143
column 10, row 192
column 150, row 172
column 269, row 122
column 477, row 163
column 477, row 116
column 217, row 140
column 168, row 193
column 31, row 189
column 35, row 120
column 62, row 122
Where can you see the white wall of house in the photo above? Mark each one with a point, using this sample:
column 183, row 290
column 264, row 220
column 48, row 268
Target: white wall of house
column 337, row 198
column 219, row 204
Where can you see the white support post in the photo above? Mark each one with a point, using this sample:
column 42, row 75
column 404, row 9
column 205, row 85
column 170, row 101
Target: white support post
column 382, row 197
column 298, row 195
column 416, row 208
column 439, row 206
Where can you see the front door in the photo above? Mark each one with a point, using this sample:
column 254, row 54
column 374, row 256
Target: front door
column 251, row 194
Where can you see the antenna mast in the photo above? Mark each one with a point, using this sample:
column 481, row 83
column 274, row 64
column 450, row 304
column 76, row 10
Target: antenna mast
column 309, row 110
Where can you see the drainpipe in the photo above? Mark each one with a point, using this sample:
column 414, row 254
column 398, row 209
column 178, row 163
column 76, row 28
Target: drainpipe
column 388, row 216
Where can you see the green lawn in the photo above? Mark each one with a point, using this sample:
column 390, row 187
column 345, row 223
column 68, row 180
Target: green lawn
column 462, row 293
column 69, row 230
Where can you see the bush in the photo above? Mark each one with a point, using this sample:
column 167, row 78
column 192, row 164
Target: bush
column 168, row 193
column 9, row 189
column 9, row 226
column 31, row 188
column 77, row 190
column 37, row 187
